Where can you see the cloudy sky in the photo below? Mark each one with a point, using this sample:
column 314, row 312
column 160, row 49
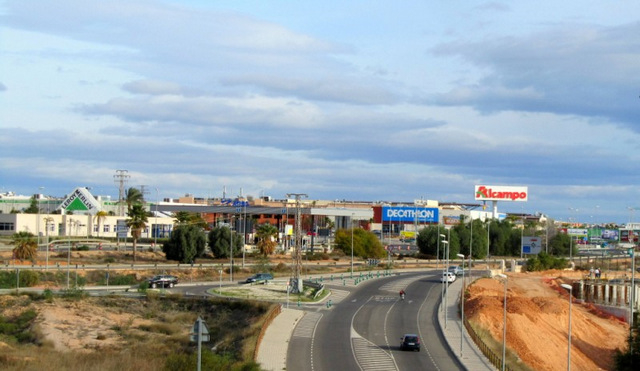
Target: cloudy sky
column 362, row 100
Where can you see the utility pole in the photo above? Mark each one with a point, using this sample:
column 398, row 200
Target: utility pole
column 121, row 179
column 296, row 286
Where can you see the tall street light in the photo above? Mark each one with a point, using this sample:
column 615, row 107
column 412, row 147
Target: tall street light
column 462, row 304
column 632, row 297
column 445, row 283
column 438, row 247
column 575, row 220
column 504, row 321
column 38, row 220
column 570, row 289
column 230, row 250
column 351, row 222
column 155, row 235
column 443, row 268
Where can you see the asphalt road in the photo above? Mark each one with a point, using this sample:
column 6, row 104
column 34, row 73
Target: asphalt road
column 363, row 330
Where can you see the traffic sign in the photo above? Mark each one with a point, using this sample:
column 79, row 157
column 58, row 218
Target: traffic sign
column 204, row 331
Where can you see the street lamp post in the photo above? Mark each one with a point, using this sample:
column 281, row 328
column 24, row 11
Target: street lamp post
column 443, row 269
column 438, row 247
column 445, row 283
column 632, row 292
column 570, row 289
column 462, row 304
column 522, row 236
column 351, row 222
column 38, row 220
column 504, row 322
column 155, row 234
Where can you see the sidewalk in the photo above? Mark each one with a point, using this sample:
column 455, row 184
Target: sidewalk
column 272, row 354
column 471, row 357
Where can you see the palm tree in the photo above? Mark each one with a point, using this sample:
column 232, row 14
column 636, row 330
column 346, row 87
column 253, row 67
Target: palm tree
column 137, row 222
column 133, row 197
column 100, row 217
column 26, row 246
column 266, row 234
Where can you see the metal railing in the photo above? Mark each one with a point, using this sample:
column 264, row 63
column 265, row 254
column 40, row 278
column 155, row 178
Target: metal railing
column 495, row 359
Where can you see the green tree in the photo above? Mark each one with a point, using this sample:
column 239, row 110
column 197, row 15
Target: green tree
column 100, row 217
column 428, row 243
column 136, row 222
column 185, row 217
column 132, row 197
column 33, row 206
column 25, row 246
column 187, row 243
column 267, row 234
column 219, row 239
column 630, row 358
column 472, row 237
column 499, row 234
column 560, row 245
column 365, row 243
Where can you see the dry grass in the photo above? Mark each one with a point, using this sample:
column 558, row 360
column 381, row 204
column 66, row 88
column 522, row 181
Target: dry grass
column 112, row 333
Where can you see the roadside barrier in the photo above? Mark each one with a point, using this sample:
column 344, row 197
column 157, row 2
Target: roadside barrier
column 495, row 359
column 267, row 321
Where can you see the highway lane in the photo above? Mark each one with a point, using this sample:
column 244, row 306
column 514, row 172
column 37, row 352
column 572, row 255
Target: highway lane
column 363, row 331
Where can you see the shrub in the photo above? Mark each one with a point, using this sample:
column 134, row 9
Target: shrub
column 122, row 279
column 544, row 261
column 28, row 278
column 82, row 248
column 47, row 294
column 281, row 268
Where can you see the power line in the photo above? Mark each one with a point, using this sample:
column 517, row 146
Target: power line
column 296, row 285
column 121, row 179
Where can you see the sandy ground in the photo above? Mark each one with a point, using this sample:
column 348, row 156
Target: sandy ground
column 538, row 322
column 78, row 326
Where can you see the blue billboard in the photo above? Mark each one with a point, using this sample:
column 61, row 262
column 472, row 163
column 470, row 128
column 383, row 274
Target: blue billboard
column 408, row 214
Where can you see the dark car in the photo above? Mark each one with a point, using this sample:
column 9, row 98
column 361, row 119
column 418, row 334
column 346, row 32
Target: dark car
column 410, row 342
column 259, row 277
column 163, row 280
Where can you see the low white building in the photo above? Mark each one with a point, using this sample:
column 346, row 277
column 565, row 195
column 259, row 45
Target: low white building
column 79, row 217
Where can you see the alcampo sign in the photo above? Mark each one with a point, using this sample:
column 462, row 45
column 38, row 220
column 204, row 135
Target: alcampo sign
column 501, row 193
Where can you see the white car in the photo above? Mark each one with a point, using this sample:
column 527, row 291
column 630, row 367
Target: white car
column 448, row 277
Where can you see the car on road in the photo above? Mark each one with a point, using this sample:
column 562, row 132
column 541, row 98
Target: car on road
column 410, row 342
column 260, row 277
column 163, row 280
column 448, row 277
column 455, row 269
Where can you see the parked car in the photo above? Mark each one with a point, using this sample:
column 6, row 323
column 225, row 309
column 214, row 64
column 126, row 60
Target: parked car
column 448, row 277
column 163, row 280
column 455, row 269
column 259, row 277
column 410, row 342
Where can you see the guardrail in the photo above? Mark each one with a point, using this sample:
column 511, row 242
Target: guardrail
column 484, row 348
column 270, row 317
column 319, row 287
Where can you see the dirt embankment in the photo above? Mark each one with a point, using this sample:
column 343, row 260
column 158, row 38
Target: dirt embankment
column 538, row 322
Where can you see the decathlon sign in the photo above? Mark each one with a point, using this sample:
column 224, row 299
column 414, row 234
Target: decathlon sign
column 410, row 214
column 501, row 193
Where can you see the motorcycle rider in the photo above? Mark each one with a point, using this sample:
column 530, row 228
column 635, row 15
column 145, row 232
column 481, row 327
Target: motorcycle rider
column 402, row 293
